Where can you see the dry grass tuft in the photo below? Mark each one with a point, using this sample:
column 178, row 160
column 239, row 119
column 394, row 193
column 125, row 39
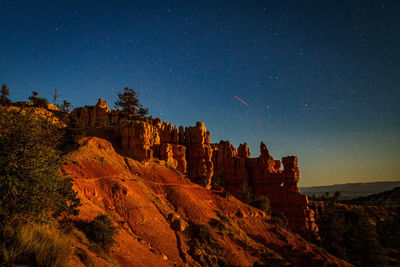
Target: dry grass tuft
column 35, row 245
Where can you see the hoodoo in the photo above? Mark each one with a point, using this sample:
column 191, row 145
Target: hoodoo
column 189, row 151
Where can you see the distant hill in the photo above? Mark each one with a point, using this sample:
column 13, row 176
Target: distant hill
column 389, row 199
column 350, row 190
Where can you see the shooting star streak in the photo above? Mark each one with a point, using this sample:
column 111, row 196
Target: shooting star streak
column 241, row 100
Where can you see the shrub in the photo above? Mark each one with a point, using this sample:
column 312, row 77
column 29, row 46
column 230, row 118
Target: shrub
column 38, row 101
column 219, row 225
column 203, row 247
column 262, row 203
column 258, row 201
column 173, row 169
column 31, row 187
column 34, row 245
column 348, row 234
column 281, row 220
column 75, row 130
column 226, row 194
column 247, row 194
column 217, row 180
column 101, row 231
column 84, row 257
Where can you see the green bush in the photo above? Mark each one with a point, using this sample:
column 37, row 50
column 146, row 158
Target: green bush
column 258, row 201
column 281, row 219
column 101, row 231
column 262, row 203
column 203, row 246
column 219, row 225
column 31, row 188
column 74, row 131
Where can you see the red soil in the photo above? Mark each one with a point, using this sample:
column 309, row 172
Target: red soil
column 142, row 197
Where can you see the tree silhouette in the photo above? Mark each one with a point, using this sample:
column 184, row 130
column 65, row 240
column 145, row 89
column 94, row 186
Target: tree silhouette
column 5, row 92
column 38, row 101
column 130, row 105
column 65, row 107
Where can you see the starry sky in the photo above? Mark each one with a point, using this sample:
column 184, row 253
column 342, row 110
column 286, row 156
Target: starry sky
column 320, row 79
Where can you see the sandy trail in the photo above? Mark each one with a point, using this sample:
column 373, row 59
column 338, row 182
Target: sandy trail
column 149, row 181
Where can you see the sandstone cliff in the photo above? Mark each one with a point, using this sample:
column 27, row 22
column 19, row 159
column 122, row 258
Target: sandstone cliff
column 190, row 152
column 155, row 208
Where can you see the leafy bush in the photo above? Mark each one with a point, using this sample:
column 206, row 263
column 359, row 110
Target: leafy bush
column 34, row 245
column 219, row 225
column 74, row 132
column 281, row 219
column 31, row 187
column 101, row 231
column 262, row 203
column 203, row 246
column 258, row 201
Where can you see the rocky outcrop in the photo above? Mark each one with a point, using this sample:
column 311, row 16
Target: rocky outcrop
column 98, row 116
column 190, row 152
column 138, row 139
column 174, row 155
column 199, row 154
column 263, row 176
column 179, row 154
column 243, row 151
column 221, row 152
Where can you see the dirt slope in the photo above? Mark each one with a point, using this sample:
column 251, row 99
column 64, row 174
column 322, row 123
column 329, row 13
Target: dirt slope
column 154, row 208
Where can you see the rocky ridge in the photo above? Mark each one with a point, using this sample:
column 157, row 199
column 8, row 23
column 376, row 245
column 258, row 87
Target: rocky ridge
column 156, row 211
column 190, row 152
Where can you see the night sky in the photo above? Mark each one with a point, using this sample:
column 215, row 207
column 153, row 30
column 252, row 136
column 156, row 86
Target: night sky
column 321, row 79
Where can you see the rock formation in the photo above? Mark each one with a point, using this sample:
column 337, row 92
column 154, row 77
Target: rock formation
column 263, row 175
column 190, row 152
column 221, row 152
column 199, row 154
column 97, row 116
column 243, row 151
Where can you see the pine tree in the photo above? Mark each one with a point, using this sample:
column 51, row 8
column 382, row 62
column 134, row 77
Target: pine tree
column 130, row 105
column 5, row 92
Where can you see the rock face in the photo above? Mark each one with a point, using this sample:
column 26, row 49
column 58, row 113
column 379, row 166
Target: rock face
column 190, row 152
column 243, row 151
column 199, row 154
column 263, row 175
column 221, row 152
column 138, row 138
column 97, row 116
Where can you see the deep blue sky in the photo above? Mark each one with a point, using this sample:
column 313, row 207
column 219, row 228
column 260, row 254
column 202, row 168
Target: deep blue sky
column 321, row 78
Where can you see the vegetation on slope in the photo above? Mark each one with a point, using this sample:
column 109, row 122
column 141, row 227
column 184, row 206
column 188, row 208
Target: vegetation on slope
column 357, row 235
column 31, row 187
column 389, row 199
column 31, row 174
column 32, row 192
